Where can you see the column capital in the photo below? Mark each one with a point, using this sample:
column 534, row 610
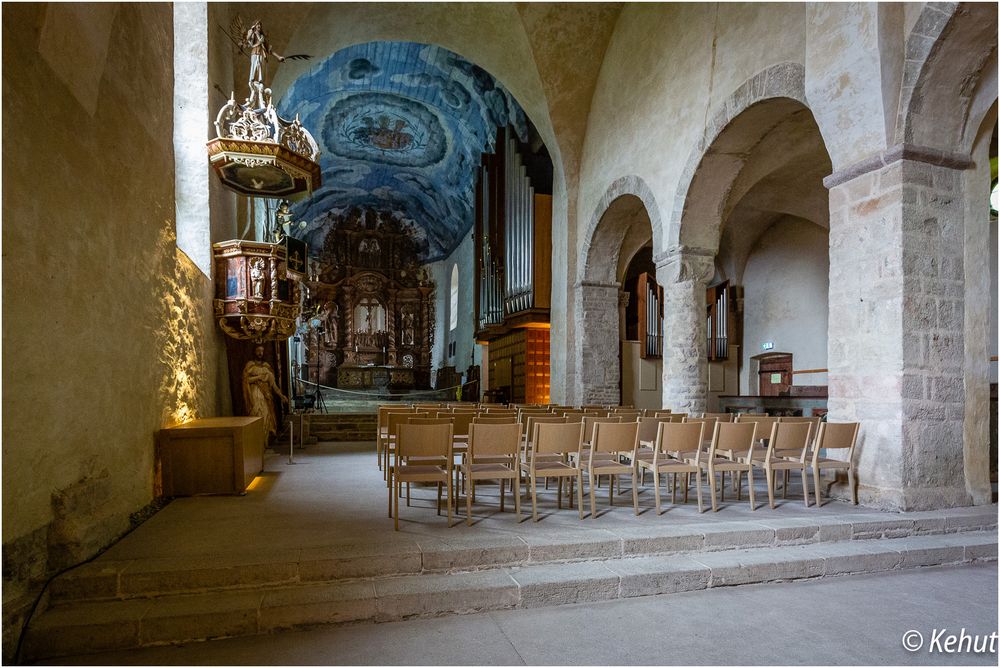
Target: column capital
column 685, row 263
column 623, row 297
column 893, row 154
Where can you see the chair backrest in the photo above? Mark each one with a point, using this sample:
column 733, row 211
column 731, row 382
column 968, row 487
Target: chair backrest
column 425, row 440
column 649, row 427
column 524, row 414
column 553, row 438
column 590, row 420
column 709, row 422
column 494, row 440
column 532, row 420
column 494, row 419
column 720, row 417
column 501, row 411
column 678, row 417
column 385, row 411
column 789, row 439
column 614, row 437
column 491, row 405
column 679, row 437
column 429, row 420
column 763, row 422
column 396, row 419
column 627, row 415
column 834, row 435
column 814, row 421
column 429, row 405
column 663, row 413
column 574, row 417
column 462, row 422
column 732, row 436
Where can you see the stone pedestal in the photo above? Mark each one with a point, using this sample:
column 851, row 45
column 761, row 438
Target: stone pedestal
column 684, row 274
column 896, row 347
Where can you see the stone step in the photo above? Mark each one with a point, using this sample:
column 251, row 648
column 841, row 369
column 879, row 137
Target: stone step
column 467, row 548
column 88, row 627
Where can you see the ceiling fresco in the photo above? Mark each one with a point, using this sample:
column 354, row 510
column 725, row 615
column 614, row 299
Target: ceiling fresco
column 401, row 128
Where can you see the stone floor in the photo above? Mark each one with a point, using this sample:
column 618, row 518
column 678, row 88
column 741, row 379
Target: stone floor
column 849, row 620
column 311, row 543
column 334, row 493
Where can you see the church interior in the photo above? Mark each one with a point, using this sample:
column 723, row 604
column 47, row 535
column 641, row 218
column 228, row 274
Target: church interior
column 359, row 230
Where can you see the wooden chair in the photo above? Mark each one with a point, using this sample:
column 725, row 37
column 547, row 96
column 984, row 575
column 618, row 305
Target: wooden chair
column 555, row 439
column 835, row 436
column 609, row 442
column 728, row 437
column 720, row 417
column 417, row 446
column 382, row 427
column 494, row 454
column 485, row 418
column 678, row 417
column 647, row 434
column 663, row 413
column 529, row 431
column 787, row 446
column 501, row 411
column 627, row 415
column 676, row 436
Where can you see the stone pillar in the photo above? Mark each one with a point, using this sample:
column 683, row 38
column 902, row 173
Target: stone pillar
column 896, row 326
column 684, row 274
column 598, row 364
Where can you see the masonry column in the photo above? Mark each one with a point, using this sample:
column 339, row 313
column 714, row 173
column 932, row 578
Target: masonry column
column 896, row 332
column 684, row 275
column 598, row 368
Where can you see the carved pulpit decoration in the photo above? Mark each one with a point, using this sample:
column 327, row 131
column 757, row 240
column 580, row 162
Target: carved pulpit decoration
column 374, row 302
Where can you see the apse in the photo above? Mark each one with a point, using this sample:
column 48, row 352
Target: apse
column 401, row 128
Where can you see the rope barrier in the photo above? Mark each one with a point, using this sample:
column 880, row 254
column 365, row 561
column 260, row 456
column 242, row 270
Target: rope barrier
column 387, row 394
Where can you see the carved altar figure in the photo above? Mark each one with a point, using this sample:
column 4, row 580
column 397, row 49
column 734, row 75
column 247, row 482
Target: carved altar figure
column 257, row 277
column 259, row 387
column 331, row 319
column 407, row 335
column 368, row 252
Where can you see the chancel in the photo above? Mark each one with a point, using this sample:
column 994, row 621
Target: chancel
column 338, row 314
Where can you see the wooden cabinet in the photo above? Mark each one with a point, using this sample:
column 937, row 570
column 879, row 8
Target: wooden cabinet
column 211, row 456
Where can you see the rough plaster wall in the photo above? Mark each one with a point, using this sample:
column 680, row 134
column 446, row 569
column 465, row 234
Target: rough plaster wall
column 640, row 378
column 465, row 333
column 993, row 296
column 106, row 323
column 786, row 282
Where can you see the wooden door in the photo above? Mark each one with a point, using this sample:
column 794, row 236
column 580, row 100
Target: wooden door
column 776, row 375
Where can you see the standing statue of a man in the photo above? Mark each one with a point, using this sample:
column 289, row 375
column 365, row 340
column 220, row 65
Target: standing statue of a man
column 259, row 388
column 260, row 49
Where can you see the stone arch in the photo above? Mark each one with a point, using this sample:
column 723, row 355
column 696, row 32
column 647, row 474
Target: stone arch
column 603, row 236
column 780, row 82
column 950, row 55
column 626, row 210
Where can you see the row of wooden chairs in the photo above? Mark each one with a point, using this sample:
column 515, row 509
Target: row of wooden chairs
column 558, row 447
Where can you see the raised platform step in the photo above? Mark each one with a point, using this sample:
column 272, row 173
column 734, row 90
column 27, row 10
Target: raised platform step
column 110, row 604
column 121, row 624
column 341, row 427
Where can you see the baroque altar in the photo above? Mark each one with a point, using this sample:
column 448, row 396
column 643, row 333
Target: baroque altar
column 370, row 315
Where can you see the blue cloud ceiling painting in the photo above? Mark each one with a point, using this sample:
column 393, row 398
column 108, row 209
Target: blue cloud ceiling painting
column 401, row 128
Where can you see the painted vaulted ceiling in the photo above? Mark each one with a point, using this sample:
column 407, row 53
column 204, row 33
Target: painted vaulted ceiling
column 401, row 127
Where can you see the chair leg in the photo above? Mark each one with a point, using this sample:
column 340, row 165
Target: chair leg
column 439, row 498
column 593, row 499
column 687, row 484
column 656, row 490
column 853, row 486
column 769, row 475
column 819, row 497
column 611, row 490
column 635, row 496
column 784, row 486
column 468, row 503
column 738, row 480
column 753, row 502
column 502, row 481
column 517, row 495
column 697, row 486
column 395, row 515
column 450, row 492
column 534, row 499
column 805, row 487
column 558, row 493
column 579, row 492
column 711, row 489
column 391, row 490
column 407, row 495
column 673, row 487
column 722, row 487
